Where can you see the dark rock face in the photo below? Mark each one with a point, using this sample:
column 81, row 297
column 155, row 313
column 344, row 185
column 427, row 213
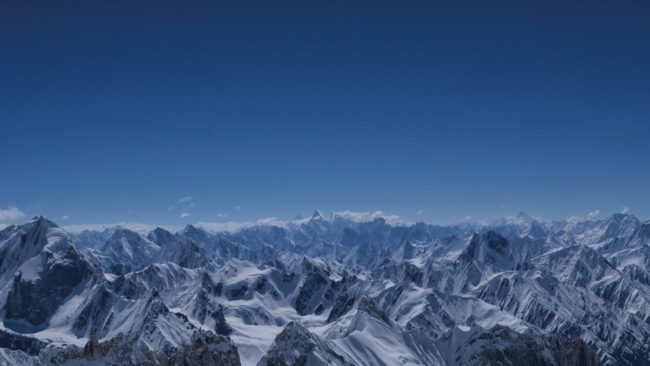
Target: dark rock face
column 342, row 305
column 36, row 299
column 190, row 256
column 24, row 242
column 118, row 349
column 126, row 251
column 408, row 250
column 495, row 241
column 185, row 253
column 94, row 318
column 314, row 283
column 205, row 349
column 469, row 252
column 369, row 307
column 574, row 352
column 502, row 346
column 492, row 240
column 161, row 237
column 316, row 291
column 221, row 327
column 197, row 235
column 29, row 345
column 296, row 346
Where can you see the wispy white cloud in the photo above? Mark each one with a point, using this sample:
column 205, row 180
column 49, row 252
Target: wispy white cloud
column 237, row 208
column 420, row 212
column 572, row 221
column 184, row 204
column 134, row 226
column 368, row 216
column 185, row 200
column 232, row 226
column 9, row 215
column 65, row 217
column 626, row 209
column 515, row 220
column 271, row 221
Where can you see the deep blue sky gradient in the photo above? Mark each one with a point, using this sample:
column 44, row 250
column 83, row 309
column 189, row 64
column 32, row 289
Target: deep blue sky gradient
column 114, row 110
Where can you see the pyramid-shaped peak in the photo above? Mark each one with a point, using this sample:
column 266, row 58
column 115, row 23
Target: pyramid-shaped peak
column 189, row 228
column 122, row 232
column 620, row 217
column 42, row 221
column 161, row 236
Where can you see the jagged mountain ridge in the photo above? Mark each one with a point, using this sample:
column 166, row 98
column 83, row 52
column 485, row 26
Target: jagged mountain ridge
column 341, row 281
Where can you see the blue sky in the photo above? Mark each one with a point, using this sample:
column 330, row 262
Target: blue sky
column 117, row 111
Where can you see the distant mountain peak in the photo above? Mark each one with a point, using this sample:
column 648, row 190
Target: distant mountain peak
column 189, row 228
column 42, row 221
column 161, row 236
column 490, row 248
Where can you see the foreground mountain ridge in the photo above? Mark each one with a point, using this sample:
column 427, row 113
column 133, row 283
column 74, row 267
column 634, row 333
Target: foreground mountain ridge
column 329, row 291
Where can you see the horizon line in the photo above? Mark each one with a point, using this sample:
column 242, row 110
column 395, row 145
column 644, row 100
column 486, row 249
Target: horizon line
column 353, row 216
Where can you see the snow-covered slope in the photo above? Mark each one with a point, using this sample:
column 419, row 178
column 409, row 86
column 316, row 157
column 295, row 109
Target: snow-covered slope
column 329, row 290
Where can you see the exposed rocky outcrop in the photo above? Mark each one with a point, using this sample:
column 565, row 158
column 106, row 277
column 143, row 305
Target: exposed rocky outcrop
column 296, row 346
column 205, row 349
column 502, row 346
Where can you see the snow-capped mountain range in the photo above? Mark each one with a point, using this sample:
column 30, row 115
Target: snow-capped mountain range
column 329, row 291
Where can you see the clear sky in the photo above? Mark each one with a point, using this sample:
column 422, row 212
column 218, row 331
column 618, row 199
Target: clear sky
column 117, row 110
